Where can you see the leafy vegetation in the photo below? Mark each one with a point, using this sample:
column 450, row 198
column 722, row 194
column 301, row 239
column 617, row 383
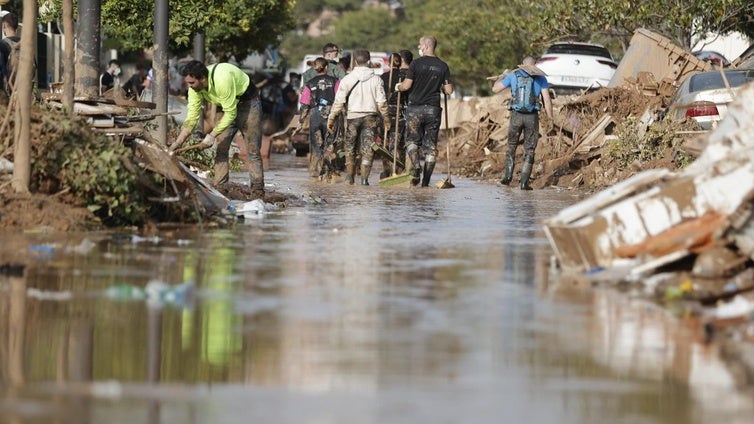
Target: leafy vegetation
column 68, row 157
column 680, row 21
column 660, row 139
column 479, row 38
column 232, row 27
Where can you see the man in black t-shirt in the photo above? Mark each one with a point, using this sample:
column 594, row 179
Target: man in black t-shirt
column 426, row 76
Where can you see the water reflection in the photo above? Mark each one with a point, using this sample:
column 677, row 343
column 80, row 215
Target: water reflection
column 376, row 306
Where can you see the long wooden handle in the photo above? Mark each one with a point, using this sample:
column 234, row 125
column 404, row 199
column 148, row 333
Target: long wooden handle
column 447, row 134
column 397, row 132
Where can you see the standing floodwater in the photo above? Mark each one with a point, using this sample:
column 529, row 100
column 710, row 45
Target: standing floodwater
column 360, row 305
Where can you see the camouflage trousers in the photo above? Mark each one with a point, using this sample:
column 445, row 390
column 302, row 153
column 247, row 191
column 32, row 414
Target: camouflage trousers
column 360, row 135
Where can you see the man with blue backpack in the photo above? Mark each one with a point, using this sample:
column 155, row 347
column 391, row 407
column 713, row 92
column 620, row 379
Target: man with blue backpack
column 527, row 83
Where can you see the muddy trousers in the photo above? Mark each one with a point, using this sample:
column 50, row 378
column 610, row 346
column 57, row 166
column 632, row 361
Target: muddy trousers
column 317, row 133
column 249, row 122
column 528, row 123
column 422, row 129
column 360, row 134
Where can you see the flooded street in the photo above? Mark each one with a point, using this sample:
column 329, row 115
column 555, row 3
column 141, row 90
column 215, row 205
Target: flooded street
column 362, row 305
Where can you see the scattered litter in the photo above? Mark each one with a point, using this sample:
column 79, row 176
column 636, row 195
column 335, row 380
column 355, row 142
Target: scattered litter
column 82, row 248
column 736, row 308
column 49, row 295
column 6, row 166
column 135, row 239
column 159, row 293
column 125, row 292
column 249, row 210
column 42, row 251
column 156, row 293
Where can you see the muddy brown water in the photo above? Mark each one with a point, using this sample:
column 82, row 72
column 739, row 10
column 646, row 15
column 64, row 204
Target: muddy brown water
column 360, row 305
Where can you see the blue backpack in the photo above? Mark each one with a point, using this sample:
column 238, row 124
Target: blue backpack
column 524, row 99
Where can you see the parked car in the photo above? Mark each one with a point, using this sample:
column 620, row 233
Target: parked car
column 712, row 57
column 704, row 96
column 572, row 66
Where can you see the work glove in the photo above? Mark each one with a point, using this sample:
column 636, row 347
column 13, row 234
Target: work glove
column 398, row 87
column 387, row 124
column 330, row 125
column 210, row 142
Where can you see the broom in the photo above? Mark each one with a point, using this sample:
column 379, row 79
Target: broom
column 446, row 183
column 396, row 179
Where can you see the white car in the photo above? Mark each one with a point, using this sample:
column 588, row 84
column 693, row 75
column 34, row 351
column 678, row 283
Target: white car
column 704, row 96
column 572, row 67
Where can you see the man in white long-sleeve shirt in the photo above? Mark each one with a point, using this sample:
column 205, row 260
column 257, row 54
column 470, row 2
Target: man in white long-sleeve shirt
column 362, row 96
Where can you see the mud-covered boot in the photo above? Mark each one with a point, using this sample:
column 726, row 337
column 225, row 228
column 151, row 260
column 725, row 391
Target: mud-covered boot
column 350, row 173
column 413, row 165
column 526, row 172
column 222, row 173
column 429, row 167
column 315, row 165
column 365, row 170
column 508, row 170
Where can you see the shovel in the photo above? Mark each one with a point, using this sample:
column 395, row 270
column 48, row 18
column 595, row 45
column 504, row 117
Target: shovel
column 446, row 183
column 396, row 179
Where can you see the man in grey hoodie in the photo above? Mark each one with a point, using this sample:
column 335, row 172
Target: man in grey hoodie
column 362, row 97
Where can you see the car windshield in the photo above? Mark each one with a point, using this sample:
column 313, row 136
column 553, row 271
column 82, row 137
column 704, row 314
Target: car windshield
column 583, row 49
column 713, row 80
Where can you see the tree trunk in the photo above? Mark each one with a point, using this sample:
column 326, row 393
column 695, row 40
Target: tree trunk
column 23, row 91
column 88, row 49
column 69, row 73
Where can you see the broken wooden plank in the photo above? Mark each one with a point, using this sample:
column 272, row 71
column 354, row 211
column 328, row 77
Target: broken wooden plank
column 120, row 130
column 134, row 103
column 595, row 137
column 80, row 108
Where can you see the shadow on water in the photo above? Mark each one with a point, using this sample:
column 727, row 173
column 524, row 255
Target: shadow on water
column 367, row 305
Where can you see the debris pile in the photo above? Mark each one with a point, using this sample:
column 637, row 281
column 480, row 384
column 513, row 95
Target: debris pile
column 685, row 237
column 111, row 114
column 575, row 149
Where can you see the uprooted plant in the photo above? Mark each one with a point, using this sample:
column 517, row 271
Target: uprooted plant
column 661, row 138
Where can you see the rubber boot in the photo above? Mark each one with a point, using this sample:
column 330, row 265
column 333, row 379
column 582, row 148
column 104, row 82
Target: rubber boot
column 509, row 164
column 415, row 169
column 222, row 173
column 365, row 170
column 350, row 172
column 315, row 165
column 429, row 167
column 526, row 172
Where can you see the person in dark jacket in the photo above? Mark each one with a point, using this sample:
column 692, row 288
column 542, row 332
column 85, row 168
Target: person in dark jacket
column 318, row 97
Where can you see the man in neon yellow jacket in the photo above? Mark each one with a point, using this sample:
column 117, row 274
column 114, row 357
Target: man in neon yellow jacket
column 228, row 86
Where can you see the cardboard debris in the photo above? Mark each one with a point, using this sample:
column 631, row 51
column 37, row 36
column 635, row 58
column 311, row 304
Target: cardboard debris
column 532, row 70
column 650, row 53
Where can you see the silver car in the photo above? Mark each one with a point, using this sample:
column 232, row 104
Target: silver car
column 704, row 96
